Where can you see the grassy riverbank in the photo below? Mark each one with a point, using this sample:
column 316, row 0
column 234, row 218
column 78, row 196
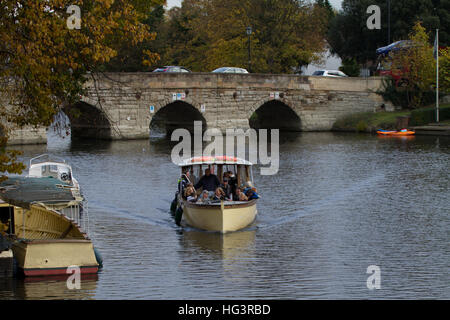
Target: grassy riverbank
column 370, row 121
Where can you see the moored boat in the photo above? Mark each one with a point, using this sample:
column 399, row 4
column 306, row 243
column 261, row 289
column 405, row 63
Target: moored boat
column 225, row 215
column 50, row 166
column 45, row 165
column 44, row 241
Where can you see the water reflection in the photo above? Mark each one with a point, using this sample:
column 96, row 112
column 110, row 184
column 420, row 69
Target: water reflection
column 49, row 287
column 339, row 203
column 225, row 246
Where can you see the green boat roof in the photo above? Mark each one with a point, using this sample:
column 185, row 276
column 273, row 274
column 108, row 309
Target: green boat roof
column 24, row 191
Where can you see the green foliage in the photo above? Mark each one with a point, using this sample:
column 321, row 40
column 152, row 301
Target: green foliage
column 416, row 67
column 361, row 126
column 132, row 58
column 349, row 36
column 369, row 121
column 350, row 67
column 206, row 34
column 444, row 70
column 43, row 63
column 328, row 8
column 424, row 116
column 396, row 95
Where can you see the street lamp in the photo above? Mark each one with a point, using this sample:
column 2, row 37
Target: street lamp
column 249, row 33
column 389, row 21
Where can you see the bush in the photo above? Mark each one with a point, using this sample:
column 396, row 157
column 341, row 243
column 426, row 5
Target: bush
column 424, row 116
column 361, row 126
column 350, row 67
column 403, row 97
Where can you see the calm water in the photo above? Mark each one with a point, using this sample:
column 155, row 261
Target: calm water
column 340, row 203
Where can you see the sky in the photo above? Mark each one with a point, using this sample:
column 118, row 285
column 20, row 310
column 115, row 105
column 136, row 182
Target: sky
column 171, row 3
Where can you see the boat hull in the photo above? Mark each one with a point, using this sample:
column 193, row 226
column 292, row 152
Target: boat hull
column 53, row 257
column 227, row 218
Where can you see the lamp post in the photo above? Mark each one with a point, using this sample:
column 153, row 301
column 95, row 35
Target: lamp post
column 389, row 21
column 249, row 33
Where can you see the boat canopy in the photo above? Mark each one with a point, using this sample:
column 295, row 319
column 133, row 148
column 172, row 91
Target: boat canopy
column 402, row 44
column 214, row 160
column 25, row 191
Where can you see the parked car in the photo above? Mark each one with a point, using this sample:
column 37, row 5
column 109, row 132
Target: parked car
column 230, row 70
column 329, row 73
column 171, row 69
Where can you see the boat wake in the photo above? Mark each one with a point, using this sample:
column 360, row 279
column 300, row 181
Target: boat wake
column 332, row 202
column 166, row 222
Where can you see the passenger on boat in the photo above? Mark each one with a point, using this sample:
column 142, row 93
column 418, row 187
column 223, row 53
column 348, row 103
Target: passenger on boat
column 240, row 196
column 189, row 193
column 204, row 197
column 219, row 195
column 227, row 188
column 251, row 194
column 208, row 182
column 232, row 181
column 183, row 182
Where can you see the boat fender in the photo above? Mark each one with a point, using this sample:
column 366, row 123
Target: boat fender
column 173, row 205
column 98, row 257
column 178, row 215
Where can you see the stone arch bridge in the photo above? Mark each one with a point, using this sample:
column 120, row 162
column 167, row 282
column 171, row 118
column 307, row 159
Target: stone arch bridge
column 129, row 105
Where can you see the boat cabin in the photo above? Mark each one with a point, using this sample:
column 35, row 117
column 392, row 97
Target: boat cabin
column 242, row 169
column 55, row 169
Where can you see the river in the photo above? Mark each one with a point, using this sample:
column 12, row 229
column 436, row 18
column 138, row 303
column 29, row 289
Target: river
column 339, row 204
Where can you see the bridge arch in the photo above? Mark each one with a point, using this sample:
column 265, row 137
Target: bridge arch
column 88, row 121
column 171, row 115
column 274, row 114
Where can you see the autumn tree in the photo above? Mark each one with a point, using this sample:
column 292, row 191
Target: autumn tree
column 207, row 34
column 350, row 38
column 417, row 66
column 44, row 60
column 444, row 70
column 130, row 58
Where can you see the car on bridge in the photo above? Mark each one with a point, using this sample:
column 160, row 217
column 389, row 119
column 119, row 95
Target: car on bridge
column 172, row 69
column 329, row 73
column 230, row 70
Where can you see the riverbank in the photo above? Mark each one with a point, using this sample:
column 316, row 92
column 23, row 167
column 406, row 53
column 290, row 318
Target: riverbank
column 371, row 122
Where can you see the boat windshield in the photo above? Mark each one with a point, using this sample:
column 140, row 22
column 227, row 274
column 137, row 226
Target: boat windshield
column 54, row 170
column 243, row 173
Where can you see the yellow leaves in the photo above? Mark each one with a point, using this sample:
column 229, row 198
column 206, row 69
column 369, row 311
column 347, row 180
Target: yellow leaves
column 444, row 70
column 45, row 54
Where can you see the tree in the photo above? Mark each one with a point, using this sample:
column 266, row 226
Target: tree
column 43, row 62
column 206, row 34
column 350, row 67
column 444, row 70
column 130, row 58
column 329, row 11
column 417, row 66
column 349, row 36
